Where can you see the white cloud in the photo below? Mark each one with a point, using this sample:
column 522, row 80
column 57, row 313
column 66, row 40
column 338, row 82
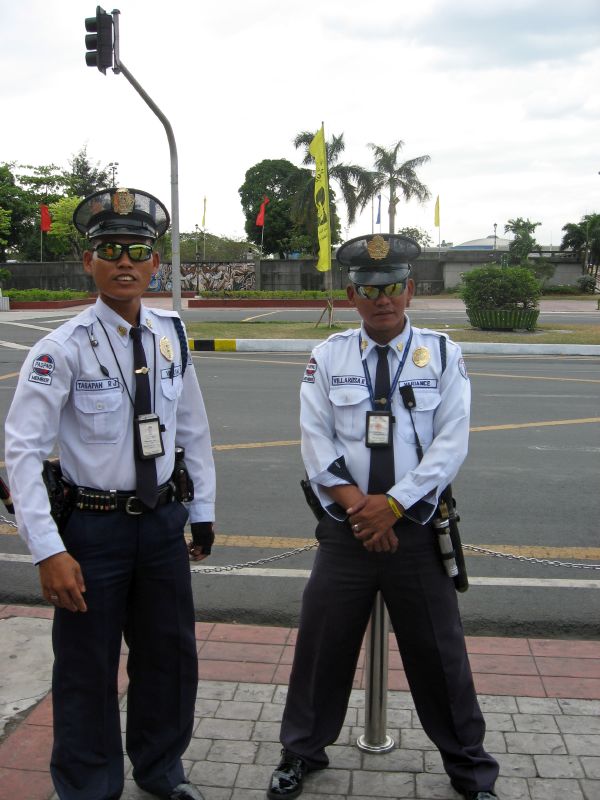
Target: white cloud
column 501, row 95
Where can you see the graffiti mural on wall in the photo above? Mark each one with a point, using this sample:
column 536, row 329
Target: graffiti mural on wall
column 213, row 277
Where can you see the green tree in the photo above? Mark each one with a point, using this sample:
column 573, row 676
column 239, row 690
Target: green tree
column 84, row 178
column 418, row 234
column 523, row 242
column 21, row 207
column 280, row 181
column 397, row 180
column 583, row 238
column 4, row 226
column 63, row 237
column 352, row 180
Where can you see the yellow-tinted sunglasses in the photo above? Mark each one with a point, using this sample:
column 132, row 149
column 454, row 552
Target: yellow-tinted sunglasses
column 112, row 251
column 373, row 292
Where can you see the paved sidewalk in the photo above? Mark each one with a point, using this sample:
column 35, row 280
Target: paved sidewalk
column 541, row 699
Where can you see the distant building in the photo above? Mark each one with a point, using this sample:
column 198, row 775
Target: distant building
column 488, row 243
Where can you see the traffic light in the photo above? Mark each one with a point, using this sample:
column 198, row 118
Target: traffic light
column 99, row 41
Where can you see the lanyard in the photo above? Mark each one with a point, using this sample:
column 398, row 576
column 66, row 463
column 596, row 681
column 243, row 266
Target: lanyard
column 396, row 376
column 121, row 371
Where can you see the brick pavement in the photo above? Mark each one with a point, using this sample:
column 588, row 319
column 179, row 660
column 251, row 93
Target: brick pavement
column 541, row 699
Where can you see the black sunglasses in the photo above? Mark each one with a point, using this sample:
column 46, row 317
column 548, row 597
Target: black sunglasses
column 112, row 251
column 373, row 292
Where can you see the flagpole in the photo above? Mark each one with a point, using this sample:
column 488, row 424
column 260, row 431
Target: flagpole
column 41, row 241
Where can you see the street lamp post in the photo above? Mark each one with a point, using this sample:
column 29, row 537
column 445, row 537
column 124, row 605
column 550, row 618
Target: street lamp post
column 113, row 166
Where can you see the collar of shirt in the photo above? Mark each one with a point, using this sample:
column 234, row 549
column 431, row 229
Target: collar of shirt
column 115, row 323
column 397, row 344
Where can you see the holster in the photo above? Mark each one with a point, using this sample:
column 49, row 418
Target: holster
column 312, row 499
column 59, row 493
column 184, row 485
column 461, row 580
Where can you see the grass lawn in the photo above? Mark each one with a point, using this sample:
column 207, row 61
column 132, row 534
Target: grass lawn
column 545, row 334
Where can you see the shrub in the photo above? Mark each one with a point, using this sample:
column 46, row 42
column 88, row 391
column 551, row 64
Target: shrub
column 43, row 294
column 587, row 284
column 493, row 287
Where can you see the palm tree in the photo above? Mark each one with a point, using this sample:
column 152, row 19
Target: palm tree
column 399, row 180
column 351, row 179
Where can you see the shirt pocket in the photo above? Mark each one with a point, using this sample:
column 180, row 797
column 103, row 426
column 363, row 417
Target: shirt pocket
column 96, row 416
column 170, row 391
column 423, row 413
column 350, row 406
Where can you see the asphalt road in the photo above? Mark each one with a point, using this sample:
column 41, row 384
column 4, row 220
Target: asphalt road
column 529, row 484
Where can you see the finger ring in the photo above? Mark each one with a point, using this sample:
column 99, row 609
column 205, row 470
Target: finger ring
column 53, row 597
column 356, row 528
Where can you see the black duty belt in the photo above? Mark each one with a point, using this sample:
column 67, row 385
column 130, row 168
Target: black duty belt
column 87, row 499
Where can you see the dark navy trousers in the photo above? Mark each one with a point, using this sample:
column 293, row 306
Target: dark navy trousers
column 423, row 609
column 138, row 585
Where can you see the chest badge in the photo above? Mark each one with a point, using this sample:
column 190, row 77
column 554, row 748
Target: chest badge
column 166, row 348
column 421, row 357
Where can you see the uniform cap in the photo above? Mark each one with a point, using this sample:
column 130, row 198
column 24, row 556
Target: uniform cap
column 121, row 211
column 377, row 259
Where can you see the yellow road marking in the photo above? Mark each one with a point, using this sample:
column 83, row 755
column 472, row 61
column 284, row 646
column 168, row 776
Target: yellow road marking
column 9, row 375
column 548, row 423
column 291, row 543
column 254, row 445
column 533, row 377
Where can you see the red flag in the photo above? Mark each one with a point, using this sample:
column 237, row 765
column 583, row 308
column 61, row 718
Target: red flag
column 45, row 218
column 260, row 219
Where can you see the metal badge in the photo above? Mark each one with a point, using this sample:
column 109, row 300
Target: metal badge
column 148, row 323
column 123, row 202
column 421, row 357
column 166, row 348
column 378, row 248
column 400, row 347
column 121, row 330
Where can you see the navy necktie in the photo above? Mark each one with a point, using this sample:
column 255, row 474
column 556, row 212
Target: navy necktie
column 145, row 469
column 381, row 472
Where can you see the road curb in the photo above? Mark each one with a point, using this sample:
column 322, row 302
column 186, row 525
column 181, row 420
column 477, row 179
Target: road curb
column 306, row 345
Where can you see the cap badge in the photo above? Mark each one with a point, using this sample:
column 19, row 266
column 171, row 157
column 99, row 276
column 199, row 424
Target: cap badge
column 166, row 348
column 123, row 202
column 378, row 248
column 421, row 357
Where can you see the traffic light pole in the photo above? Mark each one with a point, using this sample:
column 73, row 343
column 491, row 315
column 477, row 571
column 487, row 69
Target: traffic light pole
column 175, row 244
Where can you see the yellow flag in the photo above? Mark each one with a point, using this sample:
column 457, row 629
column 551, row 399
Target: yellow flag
column 204, row 214
column 319, row 153
column 436, row 216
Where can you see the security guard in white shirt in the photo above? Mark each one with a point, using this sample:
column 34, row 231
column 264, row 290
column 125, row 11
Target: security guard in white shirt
column 385, row 424
column 116, row 390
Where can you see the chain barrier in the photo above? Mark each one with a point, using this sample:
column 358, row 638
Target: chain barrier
column 288, row 553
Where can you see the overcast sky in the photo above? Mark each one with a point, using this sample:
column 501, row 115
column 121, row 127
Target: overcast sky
column 502, row 94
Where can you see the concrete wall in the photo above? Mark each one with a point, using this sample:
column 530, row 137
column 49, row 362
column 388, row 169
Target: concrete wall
column 433, row 272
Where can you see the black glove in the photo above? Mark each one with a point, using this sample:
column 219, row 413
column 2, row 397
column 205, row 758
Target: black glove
column 203, row 535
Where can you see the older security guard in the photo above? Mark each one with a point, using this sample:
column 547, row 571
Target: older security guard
column 116, row 389
column 385, row 425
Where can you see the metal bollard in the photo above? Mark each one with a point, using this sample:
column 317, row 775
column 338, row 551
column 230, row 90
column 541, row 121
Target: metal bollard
column 375, row 738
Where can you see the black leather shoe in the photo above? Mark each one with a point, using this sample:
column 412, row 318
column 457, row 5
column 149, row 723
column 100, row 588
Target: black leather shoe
column 287, row 779
column 479, row 795
column 185, row 791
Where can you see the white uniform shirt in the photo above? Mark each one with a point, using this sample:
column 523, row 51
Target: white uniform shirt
column 334, row 400
column 63, row 396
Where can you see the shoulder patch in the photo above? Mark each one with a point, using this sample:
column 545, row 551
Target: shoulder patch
column 309, row 372
column 462, row 368
column 42, row 368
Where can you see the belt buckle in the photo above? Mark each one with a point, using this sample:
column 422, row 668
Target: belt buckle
column 129, row 509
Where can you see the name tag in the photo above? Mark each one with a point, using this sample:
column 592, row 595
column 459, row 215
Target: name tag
column 148, row 436
column 379, row 429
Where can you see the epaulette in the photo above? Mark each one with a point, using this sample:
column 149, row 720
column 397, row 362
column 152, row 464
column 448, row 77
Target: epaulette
column 64, row 332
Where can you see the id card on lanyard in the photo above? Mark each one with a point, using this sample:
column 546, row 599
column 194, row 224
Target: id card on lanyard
column 379, row 422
